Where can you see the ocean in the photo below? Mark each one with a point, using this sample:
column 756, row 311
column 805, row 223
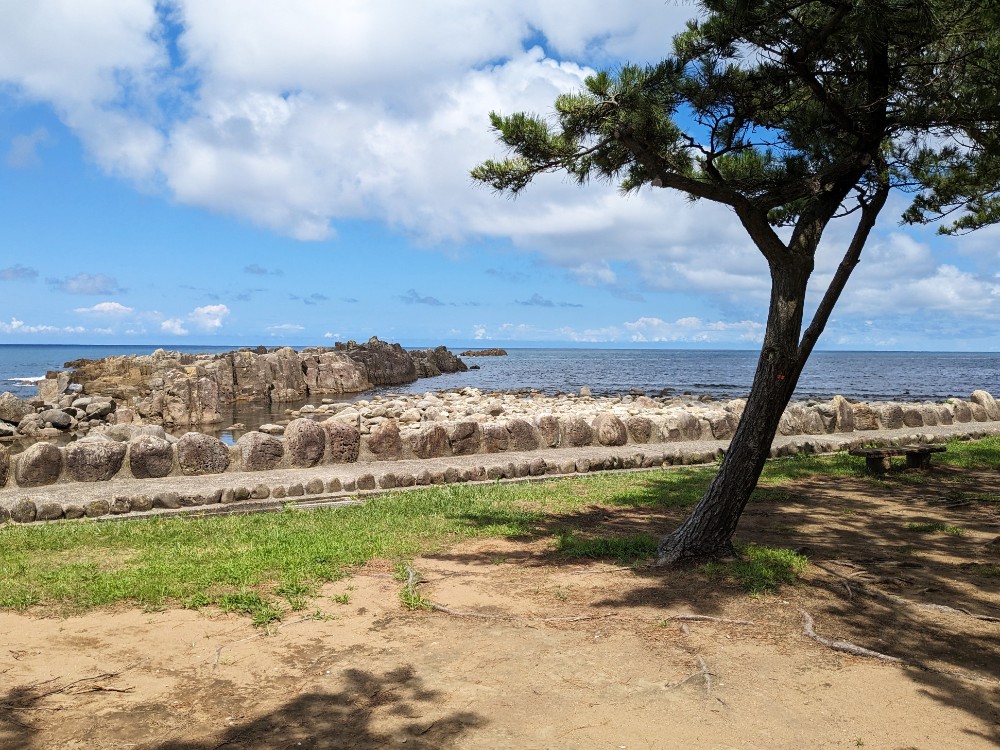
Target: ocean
column 905, row 376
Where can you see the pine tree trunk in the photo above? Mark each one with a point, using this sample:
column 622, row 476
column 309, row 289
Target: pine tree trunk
column 708, row 530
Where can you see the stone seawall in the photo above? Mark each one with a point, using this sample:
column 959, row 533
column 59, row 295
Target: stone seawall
column 460, row 426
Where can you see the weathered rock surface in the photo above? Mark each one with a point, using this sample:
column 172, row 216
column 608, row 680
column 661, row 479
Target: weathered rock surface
column 4, row 465
column 202, row 454
column 150, row 457
column 305, row 442
column 343, row 441
column 384, row 441
column 94, row 461
column 13, row 409
column 610, row 430
column 259, row 452
column 39, row 465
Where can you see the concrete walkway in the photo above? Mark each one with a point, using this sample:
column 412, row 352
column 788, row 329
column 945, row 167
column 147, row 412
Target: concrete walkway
column 330, row 483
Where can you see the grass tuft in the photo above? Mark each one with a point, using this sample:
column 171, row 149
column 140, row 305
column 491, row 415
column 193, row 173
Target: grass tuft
column 625, row 549
column 759, row 569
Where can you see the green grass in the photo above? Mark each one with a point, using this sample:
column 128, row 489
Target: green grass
column 195, row 561
column 283, row 557
column 626, row 549
column 759, row 569
column 972, row 454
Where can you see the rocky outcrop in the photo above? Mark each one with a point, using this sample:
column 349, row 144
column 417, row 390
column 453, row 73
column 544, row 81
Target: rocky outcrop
column 177, row 389
column 485, row 353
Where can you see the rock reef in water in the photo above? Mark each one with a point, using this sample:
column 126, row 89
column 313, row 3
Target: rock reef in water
column 484, row 353
column 173, row 389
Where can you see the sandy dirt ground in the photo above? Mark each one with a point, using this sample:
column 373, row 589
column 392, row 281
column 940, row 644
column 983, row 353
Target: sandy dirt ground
column 543, row 652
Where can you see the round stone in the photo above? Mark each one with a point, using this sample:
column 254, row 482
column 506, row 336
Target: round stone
column 305, row 442
column 259, row 452
column 150, row 457
column 40, row 464
column 95, row 461
column 23, row 511
column 202, row 454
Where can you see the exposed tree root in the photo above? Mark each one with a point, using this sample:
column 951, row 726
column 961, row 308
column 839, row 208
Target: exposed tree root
column 846, row 647
column 876, row 594
column 808, row 630
column 705, row 674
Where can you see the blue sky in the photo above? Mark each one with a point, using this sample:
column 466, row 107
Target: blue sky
column 244, row 172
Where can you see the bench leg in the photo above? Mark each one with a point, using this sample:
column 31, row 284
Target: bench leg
column 918, row 461
column 878, row 464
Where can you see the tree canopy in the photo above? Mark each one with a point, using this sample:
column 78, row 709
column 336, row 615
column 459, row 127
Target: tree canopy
column 793, row 113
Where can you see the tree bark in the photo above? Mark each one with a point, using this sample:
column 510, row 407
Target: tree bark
column 707, row 531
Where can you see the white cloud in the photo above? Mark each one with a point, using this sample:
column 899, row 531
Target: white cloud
column 105, row 308
column 19, row 326
column 174, row 326
column 87, row 283
column 209, row 317
column 284, row 328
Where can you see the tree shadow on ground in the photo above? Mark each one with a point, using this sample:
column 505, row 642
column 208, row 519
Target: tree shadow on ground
column 397, row 702
column 927, row 537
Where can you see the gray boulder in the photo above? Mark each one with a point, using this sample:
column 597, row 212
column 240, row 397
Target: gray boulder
column 548, row 430
column 610, row 430
column 343, row 441
column 495, row 437
column 259, row 452
column 641, row 429
column 431, row 442
column 465, row 437
column 30, row 424
column 305, row 442
column 94, row 461
column 13, row 409
column 150, row 457
column 384, row 441
column 39, row 465
column 986, row 400
column 202, row 454
column 577, row 432
column 56, row 418
column 23, row 511
column 522, row 435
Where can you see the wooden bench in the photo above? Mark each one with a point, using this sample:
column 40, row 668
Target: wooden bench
column 879, row 460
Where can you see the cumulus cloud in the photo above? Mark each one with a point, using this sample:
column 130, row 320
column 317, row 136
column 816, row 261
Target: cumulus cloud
column 174, row 326
column 299, row 117
column 19, row 326
column 87, row 283
column 284, row 328
column 105, row 308
column 208, row 318
column 17, row 272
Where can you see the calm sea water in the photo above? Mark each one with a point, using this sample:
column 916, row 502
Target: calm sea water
column 723, row 374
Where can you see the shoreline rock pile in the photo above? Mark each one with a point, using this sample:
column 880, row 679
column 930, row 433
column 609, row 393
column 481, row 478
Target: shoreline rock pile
column 446, row 424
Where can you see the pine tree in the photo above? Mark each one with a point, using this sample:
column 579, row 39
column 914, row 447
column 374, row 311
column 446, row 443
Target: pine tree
column 792, row 114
